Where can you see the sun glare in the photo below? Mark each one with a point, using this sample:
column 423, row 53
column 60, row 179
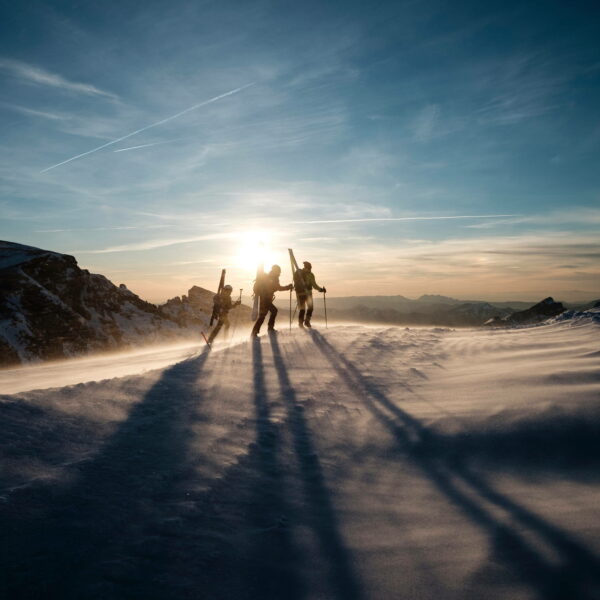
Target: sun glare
column 255, row 248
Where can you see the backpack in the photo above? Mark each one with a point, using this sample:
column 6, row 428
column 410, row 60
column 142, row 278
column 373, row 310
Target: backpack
column 299, row 283
column 260, row 287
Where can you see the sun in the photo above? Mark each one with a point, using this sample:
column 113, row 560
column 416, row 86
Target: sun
column 255, row 249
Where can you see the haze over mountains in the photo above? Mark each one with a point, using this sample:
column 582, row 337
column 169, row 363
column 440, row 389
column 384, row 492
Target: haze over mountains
column 50, row 308
column 438, row 310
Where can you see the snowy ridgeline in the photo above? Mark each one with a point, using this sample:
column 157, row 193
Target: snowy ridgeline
column 356, row 462
column 51, row 309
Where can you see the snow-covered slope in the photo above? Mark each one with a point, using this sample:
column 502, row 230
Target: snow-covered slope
column 354, row 462
column 50, row 308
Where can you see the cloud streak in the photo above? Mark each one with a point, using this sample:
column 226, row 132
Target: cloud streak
column 38, row 76
column 436, row 218
column 153, row 244
column 36, row 113
column 161, row 122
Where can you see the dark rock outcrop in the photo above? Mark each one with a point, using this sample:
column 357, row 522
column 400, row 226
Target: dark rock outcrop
column 539, row 312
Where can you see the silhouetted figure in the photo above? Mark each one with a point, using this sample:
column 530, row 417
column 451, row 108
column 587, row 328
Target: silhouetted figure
column 265, row 287
column 223, row 305
column 305, row 299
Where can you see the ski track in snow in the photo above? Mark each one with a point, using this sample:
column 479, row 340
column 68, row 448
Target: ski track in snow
column 354, row 462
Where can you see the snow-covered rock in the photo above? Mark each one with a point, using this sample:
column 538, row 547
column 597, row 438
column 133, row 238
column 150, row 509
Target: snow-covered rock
column 578, row 317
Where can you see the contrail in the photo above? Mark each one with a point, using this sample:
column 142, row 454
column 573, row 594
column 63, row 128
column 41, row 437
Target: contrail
column 403, row 219
column 179, row 114
column 144, row 146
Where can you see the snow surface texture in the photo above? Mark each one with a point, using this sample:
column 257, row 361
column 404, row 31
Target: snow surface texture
column 355, row 462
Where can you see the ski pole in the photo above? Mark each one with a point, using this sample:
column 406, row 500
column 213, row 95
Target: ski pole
column 235, row 318
column 325, row 304
column 290, row 310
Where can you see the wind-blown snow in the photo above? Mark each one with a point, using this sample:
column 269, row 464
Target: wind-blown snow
column 93, row 368
column 354, row 462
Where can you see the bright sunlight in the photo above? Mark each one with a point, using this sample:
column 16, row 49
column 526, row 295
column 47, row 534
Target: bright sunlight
column 255, row 248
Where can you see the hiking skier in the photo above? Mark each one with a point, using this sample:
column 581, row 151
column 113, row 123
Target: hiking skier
column 265, row 287
column 222, row 305
column 305, row 283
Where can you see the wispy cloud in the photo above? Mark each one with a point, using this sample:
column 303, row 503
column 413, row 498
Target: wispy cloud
column 126, row 228
column 36, row 113
column 428, row 218
column 161, row 122
column 153, row 244
column 38, row 76
column 426, row 122
column 576, row 216
column 525, row 86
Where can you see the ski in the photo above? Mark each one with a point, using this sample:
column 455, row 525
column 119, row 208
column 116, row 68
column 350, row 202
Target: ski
column 215, row 305
column 296, row 275
column 260, row 270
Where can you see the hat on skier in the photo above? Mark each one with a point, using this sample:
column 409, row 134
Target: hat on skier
column 227, row 287
column 307, row 264
column 276, row 268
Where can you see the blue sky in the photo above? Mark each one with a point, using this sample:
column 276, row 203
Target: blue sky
column 349, row 131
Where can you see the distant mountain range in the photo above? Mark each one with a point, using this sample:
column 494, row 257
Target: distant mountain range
column 427, row 310
column 50, row 308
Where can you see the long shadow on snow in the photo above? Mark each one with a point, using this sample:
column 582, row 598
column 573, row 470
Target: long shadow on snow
column 65, row 542
column 564, row 443
column 274, row 559
column 578, row 575
column 26, row 424
column 323, row 520
column 242, row 520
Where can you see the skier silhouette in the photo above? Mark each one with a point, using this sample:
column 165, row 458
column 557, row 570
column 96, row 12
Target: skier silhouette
column 223, row 304
column 304, row 292
column 265, row 287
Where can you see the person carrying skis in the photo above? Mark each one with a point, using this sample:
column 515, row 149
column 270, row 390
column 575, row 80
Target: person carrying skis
column 265, row 287
column 304, row 287
column 222, row 305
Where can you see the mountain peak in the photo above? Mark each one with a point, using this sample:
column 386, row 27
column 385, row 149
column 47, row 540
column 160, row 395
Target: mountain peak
column 13, row 254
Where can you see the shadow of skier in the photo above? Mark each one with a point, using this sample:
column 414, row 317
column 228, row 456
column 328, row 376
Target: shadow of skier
column 66, row 542
column 322, row 516
column 578, row 575
column 267, row 561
